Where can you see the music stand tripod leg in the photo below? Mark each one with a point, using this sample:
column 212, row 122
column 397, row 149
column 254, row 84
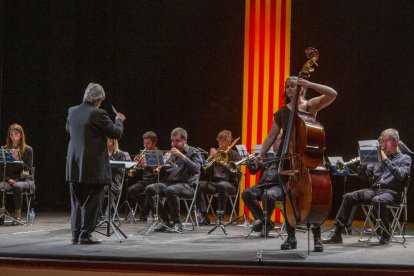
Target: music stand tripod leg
column 108, row 222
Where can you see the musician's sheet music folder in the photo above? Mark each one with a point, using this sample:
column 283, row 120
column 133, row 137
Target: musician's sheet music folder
column 369, row 152
column 8, row 155
column 153, row 159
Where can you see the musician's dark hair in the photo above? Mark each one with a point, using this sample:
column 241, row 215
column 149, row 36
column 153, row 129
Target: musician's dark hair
column 286, row 99
column 150, row 135
column 9, row 142
column 179, row 131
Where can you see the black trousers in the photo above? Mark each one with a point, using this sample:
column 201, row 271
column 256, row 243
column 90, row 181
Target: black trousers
column 365, row 196
column 136, row 196
column 86, row 200
column 223, row 188
column 251, row 197
column 172, row 193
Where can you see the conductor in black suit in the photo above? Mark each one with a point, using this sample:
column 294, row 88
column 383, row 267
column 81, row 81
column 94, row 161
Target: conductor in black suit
column 87, row 162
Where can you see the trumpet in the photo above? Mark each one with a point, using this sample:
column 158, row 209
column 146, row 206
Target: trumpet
column 234, row 166
column 221, row 156
column 340, row 167
column 133, row 170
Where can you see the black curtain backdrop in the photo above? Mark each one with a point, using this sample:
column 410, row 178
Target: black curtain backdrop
column 180, row 63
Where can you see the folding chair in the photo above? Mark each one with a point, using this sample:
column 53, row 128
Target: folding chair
column 396, row 210
column 233, row 202
column 192, row 207
column 28, row 194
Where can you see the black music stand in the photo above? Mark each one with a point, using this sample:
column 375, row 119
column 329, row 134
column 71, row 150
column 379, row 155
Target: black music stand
column 110, row 226
column 6, row 157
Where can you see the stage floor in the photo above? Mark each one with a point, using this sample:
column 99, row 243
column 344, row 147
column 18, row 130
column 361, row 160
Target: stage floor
column 50, row 238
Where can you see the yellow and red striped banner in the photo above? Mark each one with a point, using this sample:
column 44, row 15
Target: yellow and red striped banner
column 266, row 66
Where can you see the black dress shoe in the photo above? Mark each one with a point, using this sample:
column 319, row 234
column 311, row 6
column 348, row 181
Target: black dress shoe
column 16, row 221
column 2, row 220
column 384, row 239
column 257, row 225
column 75, row 241
column 290, row 243
column 177, row 226
column 161, row 228
column 89, row 240
column 333, row 238
column 318, row 245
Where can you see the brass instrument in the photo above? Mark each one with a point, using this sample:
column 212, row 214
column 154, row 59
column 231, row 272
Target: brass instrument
column 340, row 167
column 133, row 170
column 234, row 166
column 221, row 156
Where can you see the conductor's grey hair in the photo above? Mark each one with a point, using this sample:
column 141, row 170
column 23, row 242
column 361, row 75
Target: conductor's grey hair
column 93, row 93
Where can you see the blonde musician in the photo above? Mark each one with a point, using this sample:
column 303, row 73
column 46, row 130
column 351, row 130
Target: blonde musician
column 221, row 179
column 116, row 154
column 176, row 181
column 135, row 192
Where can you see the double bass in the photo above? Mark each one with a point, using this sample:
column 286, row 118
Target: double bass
column 305, row 180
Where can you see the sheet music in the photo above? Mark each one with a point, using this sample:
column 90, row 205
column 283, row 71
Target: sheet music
column 122, row 164
column 242, row 150
column 335, row 159
column 368, row 151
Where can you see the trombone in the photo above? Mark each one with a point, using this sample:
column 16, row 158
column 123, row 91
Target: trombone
column 221, row 156
column 234, row 166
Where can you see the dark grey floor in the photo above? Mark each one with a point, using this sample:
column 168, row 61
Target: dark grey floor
column 50, row 238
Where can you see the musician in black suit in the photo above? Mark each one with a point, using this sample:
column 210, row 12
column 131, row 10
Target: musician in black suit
column 87, row 162
column 221, row 179
column 136, row 193
column 177, row 179
column 269, row 180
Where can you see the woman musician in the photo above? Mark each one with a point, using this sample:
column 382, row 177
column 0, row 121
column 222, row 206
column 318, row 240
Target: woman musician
column 17, row 176
column 281, row 118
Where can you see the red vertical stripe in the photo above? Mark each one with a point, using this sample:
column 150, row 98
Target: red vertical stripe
column 261, row 68
column 251, row 81
column 282, row 52
column 272, row 49
column 262, row 29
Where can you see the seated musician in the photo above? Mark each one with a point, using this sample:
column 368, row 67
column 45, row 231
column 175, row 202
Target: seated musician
column 392, row 172
column 115, row 154
column 251, row 196
column 17, row 177
column 221, row 179
column 177, row 177
column 135, row 192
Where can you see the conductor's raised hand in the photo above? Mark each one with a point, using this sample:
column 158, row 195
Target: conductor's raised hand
column 120, row 116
